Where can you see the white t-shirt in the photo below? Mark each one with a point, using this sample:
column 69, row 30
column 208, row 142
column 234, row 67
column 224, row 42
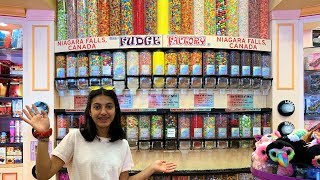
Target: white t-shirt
column 99, row 159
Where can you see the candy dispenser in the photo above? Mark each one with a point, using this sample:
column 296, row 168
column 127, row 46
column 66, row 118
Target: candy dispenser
column 234, row 69
column 95, row 64
column 171, row 131
column 183, row 61
column 119, row 70
column 209, row 133
column 256, row 124
column 71, row 72
column 245, row 130
column 234, row 130
column 222, row 130
column 61, row 86
column 133, row 71
column 132, row 131
column 245, row 82
column 184, row 131
column 266, row 86
column 209, row 68
column 83, row 86
column 245, row 125
column 145, row 69
column 83, row 71
column 144, row 132
column 61, row 65
column 158, row 69
column 195, row 67
column 266, row 123
column 62, row 126
column 256, row 70
column 83, row 65
column 266, row 65
column 157, row 132
column 266, row 73
column 222, row 57
column 170, row 69
column 196, row 131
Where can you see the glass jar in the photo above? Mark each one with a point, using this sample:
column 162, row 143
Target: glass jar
column 245, row 126
column 245, row 63
column 95, row 64
column 234, row 63
column 61, row 65
column 256, row 64
column 83, row 65
column 256, row 124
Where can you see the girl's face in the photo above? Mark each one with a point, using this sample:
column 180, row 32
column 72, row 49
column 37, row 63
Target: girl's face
column 102, row 111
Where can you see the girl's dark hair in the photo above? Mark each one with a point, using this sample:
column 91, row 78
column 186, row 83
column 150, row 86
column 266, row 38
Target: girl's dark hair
column 89, row 131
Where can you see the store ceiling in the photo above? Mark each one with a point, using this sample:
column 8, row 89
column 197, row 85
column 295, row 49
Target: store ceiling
column 30, row 4
column 293, row 4
column 51, row 4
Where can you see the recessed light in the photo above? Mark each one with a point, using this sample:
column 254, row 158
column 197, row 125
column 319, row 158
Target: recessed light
column 3, row 24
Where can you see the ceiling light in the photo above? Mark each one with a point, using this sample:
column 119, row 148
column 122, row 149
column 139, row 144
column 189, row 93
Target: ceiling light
column 3, row 24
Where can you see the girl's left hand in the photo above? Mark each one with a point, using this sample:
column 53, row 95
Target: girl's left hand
column 163, row 166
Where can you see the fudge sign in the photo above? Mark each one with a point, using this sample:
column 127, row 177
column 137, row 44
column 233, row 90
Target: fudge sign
column 126, row 41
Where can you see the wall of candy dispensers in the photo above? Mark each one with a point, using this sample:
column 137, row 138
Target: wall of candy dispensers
column 159, row 89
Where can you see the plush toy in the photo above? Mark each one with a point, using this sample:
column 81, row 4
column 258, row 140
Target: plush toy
column 281, row 153
column 260, row 158
column 266, row 138
column 313, row 160
column 299, row 145
column 315, row 139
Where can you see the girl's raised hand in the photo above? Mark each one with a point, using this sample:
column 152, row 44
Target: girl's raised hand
column 39, row 121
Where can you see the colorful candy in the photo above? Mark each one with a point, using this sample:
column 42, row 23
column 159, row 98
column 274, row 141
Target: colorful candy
column 184, row 126
column 210, row 17
column 82, row 23
column 171, row 126
column 243, row 8
column 144, row 127
column 245, row 126
column 95, row 64
column 132, row 127
column 119, row 65
column 254, row 19
column 174, row 17
column 145, row 61
column 198, row 13
column 61, row 64
column 115, row 17
column 209, row 62
column 187, row 16
column 209, row 122
column 103, row 18
column 106, row 61
column 71, row 65
column 83, row 65
column 151, row 16
column 232, row 18
column 156, row 127
column 264, row 19
column 221, row 18
column 222, row 126
column 62, row 20
column 221, row 58
column 126, row 21
column 72, row 19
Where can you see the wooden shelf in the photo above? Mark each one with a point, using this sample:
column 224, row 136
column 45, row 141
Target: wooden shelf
column 200, row 160
column 11, row 165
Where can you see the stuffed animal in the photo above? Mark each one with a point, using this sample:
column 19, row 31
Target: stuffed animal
column 299, row 146
column 313, row 160
column 260, row 158
column 281, row 153
column 266, row 138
